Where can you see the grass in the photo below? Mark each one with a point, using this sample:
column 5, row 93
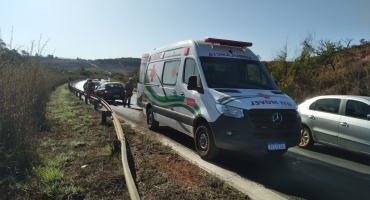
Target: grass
column 74, row 139
column 162, row 174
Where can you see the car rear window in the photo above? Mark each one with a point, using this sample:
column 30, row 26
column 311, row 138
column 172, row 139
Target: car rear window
column 114, row 86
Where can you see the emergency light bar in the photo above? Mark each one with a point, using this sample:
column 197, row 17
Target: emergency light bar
column 228, row 42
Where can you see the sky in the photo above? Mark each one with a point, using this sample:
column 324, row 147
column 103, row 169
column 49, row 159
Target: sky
column 98, row 29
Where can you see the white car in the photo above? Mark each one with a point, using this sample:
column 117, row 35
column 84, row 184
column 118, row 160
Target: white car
column 341, row 121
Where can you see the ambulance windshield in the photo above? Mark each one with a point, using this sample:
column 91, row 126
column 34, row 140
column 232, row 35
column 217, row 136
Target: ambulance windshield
column 236, row 73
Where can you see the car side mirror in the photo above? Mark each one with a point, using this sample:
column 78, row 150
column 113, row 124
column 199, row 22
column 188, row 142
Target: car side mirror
column 368, row 116
column 193, row 84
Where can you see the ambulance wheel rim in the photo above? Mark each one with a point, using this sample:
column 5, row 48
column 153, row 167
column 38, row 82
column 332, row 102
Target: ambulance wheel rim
column 150, row 118
column 203, row 141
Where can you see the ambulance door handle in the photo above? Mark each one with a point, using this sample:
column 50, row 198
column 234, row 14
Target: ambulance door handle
column 173, row 92
column 182, row 94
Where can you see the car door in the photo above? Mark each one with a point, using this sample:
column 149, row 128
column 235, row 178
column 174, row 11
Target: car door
column 323, row 118
column 99, row 90
column 167, row 106
column 187, row 111
column 354, row 127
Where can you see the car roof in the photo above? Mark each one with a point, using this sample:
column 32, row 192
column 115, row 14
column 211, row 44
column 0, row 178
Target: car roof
column 344, row 97
column 113, row 83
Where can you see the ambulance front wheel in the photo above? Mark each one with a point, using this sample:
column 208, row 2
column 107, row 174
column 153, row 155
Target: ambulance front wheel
column 152, row 123
column 204, row 143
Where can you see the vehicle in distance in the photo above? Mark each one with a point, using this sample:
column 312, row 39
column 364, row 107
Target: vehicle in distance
column 111, row 91
column 341, row 121
column 106, row 78
column 218, row 92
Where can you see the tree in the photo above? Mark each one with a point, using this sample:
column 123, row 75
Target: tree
column 330, row 53
column 2, row 46
column 347, row 42
column 362, row 41
column 25, row 53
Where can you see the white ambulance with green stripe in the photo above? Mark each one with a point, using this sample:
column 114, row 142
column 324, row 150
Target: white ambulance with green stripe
column 218, row 92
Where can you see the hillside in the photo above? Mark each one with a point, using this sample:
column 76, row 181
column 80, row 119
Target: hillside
column 321, row 68
column 118, row 65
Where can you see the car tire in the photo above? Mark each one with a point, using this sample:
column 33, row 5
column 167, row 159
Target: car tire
column 204, row 143
column 152, row 123
column 306, row 138
column 277, row 152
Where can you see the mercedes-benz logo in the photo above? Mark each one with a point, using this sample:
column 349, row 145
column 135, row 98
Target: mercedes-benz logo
column 277, row 118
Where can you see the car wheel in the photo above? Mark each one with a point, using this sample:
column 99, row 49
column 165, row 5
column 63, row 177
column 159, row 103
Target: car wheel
column 204, row 143
column 152, row 123
column 277, row 152
column 306, row 138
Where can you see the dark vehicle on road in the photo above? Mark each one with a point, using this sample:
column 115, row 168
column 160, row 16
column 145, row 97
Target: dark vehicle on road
column 111, row 91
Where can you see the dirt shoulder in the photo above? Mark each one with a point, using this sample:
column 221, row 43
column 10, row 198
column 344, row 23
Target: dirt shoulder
column 75, row 160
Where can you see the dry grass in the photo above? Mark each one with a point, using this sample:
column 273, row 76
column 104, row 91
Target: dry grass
column 24, row 93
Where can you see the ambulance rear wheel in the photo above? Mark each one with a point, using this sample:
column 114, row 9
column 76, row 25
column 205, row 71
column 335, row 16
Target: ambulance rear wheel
column 204, row 143
column 152, row 123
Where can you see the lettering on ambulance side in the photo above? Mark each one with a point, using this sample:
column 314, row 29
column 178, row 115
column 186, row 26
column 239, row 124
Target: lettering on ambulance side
column 156, row 57
column 229, row 55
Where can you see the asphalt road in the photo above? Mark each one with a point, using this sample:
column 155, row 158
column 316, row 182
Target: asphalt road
column 319, row 173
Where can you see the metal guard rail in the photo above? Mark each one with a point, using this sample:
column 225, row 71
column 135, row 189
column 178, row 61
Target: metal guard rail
column 117, row 125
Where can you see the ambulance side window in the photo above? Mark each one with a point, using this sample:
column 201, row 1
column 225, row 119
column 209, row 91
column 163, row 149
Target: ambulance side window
column 170, row 71
column 190, row 69
column 153, row 73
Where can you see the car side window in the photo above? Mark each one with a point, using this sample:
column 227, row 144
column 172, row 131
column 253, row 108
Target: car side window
column 170, row 72
column 190, row 69
column 357, row 109
column 327, row 105
column 312, row 106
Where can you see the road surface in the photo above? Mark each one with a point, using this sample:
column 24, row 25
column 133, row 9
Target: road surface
column 319, row 173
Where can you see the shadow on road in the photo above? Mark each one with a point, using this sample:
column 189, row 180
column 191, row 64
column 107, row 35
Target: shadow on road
column 292, row 174
column 342, row 154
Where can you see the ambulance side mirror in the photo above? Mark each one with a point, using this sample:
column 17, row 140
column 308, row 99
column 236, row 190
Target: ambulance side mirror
column 193, row 84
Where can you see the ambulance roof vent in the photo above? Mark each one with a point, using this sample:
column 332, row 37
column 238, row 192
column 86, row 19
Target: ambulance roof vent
column 228, row 42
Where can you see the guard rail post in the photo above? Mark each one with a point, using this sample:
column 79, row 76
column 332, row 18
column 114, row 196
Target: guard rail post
column 80, row 96
column 96, row 104
column 104, row 115
column 87, row 97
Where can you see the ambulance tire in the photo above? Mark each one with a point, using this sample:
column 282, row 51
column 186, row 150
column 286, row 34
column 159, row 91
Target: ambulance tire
column 204, row 143
column 152, row 123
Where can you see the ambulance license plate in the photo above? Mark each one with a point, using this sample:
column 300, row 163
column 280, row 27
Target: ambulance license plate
column 276, row 145
column 116, row 95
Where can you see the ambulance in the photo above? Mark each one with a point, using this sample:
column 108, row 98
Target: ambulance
column 218, row 92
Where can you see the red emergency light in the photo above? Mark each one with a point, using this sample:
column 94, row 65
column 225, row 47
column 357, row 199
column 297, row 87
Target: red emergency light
column 186, row 51
column 228, row 42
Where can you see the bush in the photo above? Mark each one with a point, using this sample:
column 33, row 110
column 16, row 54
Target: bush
column 24, row 93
